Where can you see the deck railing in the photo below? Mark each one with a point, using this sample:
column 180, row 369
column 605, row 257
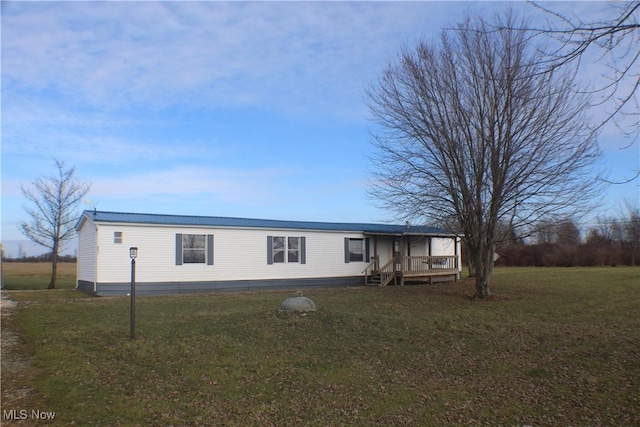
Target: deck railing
column 388, row 272
column 411, row 267
column 423, row 265
column 370, row 269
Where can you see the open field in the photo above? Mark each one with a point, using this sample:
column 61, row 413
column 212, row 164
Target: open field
column 36, row 275
column 553, row 347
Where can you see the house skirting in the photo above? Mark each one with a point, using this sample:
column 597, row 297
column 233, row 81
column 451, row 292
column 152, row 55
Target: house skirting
column 166, row 288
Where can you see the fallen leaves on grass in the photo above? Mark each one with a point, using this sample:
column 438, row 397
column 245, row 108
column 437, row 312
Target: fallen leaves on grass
column 413, row 355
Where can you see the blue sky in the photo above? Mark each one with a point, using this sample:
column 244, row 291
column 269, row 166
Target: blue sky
column 216, row 108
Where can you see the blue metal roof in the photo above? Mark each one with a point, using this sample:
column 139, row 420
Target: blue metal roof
column 216, row 221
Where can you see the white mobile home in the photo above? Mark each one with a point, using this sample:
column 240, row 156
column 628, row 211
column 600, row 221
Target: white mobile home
column 187, row 254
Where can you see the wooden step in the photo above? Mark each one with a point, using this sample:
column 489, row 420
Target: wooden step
column 374, row 280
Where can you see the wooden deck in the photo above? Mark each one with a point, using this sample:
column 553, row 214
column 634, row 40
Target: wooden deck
column 410, row 268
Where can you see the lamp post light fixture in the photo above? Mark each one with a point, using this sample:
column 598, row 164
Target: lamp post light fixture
column 133, row 254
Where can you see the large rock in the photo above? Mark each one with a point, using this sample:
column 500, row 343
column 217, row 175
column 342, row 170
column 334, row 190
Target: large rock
column 298, row 304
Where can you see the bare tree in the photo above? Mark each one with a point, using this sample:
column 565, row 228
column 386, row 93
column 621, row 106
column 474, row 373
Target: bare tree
column 545, row 231
column 612, row 42
column 567, row 232
column 632, row 231
column 563, row 231
column 472, row 128
column 53, row 214
column 608, row 230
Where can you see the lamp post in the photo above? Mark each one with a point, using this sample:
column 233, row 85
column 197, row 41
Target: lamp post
column 133, row 253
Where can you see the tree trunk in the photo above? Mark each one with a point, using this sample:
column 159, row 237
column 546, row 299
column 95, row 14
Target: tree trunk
column 484, row 271
column 482, row 287
column 483, row 277
column 54, row 266
column 471, row 260
column 472, row 269
column 54, row 272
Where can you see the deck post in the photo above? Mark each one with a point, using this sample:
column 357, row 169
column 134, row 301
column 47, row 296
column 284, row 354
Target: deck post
column 375, row 250
column 395, row 271
column 455, row 253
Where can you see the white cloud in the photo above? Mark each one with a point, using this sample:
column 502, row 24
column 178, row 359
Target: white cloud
column 157, row 54
column 293, row 56
column 217, row 185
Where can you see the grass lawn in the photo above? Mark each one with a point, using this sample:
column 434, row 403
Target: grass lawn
column 552, row 347
column 36, row 275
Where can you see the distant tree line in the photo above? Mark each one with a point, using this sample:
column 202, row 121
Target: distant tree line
column 47, row 257
column 611, row 241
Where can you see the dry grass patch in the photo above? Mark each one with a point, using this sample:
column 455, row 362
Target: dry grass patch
column 559, row 347
column 36, row 275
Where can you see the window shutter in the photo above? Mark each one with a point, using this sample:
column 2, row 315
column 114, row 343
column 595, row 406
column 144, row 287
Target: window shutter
column 303, row 250
column 367, row 253
column 209, row 249
column 269, row 249
column 178, row 249
column 346, row 250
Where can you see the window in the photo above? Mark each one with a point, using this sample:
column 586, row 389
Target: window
column 293, row 245
column 278, row 249
column 117, row 237
column 194, row 248
column 356, row 250
column 281, row 249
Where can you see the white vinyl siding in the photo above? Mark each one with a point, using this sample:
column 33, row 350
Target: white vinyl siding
column 442, row 246
column 385, row 249
column 446, row 246
column 87, row 252
column 418, row 246
column 240, row 254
